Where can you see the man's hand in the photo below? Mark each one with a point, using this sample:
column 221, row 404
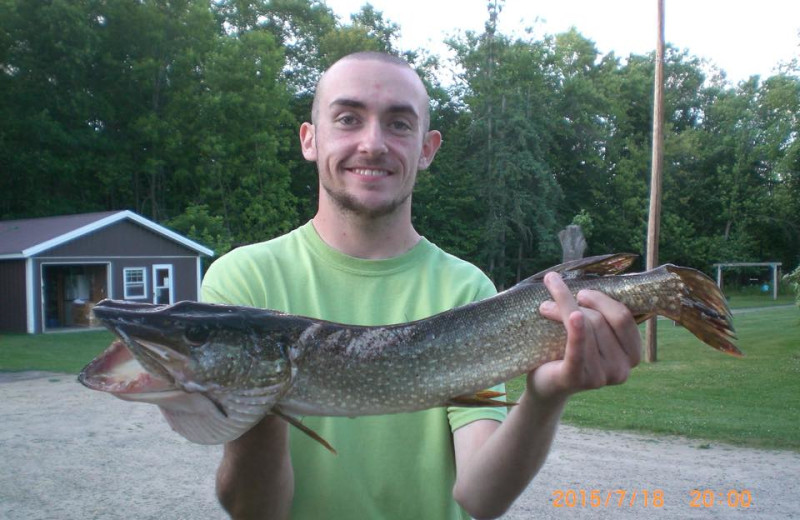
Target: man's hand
column 603, row 342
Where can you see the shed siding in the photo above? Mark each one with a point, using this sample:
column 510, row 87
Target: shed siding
column 13, row 315
column 185, row 273
column 125, row 238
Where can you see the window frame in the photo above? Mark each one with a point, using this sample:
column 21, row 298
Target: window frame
column 126, row 285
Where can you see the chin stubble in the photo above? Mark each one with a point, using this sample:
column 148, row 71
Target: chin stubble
column 349, row 204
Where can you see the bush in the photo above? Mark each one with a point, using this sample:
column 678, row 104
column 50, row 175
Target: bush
column 794, row 281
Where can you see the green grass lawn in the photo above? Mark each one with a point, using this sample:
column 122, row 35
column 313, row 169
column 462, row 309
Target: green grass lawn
column 692, row 390
column 754, row 296
column 58, row 352
column 741, row 301
column 696, row 391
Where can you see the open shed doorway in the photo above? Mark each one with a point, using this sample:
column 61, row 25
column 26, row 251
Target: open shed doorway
column 69, row 292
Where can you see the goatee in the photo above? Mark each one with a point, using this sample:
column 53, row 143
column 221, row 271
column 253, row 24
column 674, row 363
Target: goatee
column 349, row 204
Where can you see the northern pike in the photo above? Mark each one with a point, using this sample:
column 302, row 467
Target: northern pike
column 216, row 370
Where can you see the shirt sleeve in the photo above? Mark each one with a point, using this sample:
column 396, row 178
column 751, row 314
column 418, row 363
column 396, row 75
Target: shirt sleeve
column 226, row 281
column 460, row 416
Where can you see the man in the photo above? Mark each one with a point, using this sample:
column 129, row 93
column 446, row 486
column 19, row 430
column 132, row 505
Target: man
column 361, row 261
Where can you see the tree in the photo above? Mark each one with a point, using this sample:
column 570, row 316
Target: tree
column 582, row 121
column 243, row 172
column 506, row 95
column 187, row 111
column 47, row 109
column 145, row 105
column 298, row 27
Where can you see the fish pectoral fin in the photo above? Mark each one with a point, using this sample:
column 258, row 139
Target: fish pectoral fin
column 482, row 398
column 294, row 421
column 203, row 419
column 600, row 265
column 215, row 417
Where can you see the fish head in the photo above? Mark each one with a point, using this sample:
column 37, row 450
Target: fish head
column 187, row 347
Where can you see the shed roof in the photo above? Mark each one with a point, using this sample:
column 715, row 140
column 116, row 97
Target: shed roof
column 28, row 237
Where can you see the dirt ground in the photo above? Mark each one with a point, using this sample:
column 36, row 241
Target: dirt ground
column 70, row 453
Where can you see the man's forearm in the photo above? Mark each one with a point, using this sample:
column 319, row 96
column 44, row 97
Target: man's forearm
column 255, row 478
column 498, row 471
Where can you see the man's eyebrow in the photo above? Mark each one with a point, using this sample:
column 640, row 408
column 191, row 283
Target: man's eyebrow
column 352, row 103
column 404, row 109
column 399, row 108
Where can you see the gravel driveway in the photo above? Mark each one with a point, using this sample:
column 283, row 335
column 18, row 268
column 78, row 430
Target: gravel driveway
column 69, row 453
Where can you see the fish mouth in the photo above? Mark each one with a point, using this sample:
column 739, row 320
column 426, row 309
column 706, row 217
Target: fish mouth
column 119, row 371
column 143, row 360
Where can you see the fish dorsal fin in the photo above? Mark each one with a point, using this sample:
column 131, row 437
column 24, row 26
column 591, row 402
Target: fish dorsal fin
column 600, row 265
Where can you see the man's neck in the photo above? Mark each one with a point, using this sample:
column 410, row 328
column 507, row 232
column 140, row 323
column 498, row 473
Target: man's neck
column 366, row 237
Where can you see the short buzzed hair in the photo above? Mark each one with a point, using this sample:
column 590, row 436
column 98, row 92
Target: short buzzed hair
column 373, row 56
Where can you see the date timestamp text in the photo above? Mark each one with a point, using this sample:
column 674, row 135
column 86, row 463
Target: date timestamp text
column 649, row 498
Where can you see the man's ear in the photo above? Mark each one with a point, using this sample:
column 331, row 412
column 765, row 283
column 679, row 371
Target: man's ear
column 307, row 141
column 430, row 145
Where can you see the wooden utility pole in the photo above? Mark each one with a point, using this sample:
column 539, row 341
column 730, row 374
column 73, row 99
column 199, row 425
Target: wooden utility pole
column 654, row 222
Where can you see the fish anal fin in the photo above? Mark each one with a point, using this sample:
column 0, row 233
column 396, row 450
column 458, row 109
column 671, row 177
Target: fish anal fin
column 641, row 318
column 600, row 265
column 482, row 398
column 303, row 428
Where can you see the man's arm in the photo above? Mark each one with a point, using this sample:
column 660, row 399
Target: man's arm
column 495, row 462
column 255, row 478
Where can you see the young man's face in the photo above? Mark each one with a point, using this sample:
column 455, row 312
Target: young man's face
column 369, row 136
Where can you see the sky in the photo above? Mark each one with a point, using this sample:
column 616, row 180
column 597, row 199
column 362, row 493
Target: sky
column 742, row 38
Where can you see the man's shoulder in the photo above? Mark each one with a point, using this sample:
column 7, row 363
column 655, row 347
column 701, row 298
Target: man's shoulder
column 252, row 265
column 280, row 246
column 460, row 272
column 452, row 262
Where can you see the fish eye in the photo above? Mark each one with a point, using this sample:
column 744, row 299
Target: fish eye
column 196, row 335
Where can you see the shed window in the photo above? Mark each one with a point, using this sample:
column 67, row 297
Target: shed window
column 135, row 282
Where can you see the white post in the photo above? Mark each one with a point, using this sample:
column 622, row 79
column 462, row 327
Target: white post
column 774, row 281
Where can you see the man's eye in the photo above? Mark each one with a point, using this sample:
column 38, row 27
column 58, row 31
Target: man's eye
column 347, row 120
column 401, row 126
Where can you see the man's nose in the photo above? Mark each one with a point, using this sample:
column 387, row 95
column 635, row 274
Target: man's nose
column 373, row 140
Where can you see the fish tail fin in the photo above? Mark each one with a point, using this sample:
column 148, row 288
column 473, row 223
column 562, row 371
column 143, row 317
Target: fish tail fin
column 703, row 310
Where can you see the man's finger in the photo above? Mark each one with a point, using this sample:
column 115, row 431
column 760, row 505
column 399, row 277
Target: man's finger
column 574, row 320
column 619, row 319
column 562, row 297
column 575, row 353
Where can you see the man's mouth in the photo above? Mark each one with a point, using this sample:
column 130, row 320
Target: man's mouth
column 368, row 172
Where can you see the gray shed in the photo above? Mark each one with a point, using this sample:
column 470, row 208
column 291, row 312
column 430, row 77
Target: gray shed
column 54, row 269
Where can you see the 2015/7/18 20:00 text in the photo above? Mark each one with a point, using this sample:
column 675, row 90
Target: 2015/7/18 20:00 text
column 701, row 498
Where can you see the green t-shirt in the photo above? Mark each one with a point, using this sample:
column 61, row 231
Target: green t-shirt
column 389, row 466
